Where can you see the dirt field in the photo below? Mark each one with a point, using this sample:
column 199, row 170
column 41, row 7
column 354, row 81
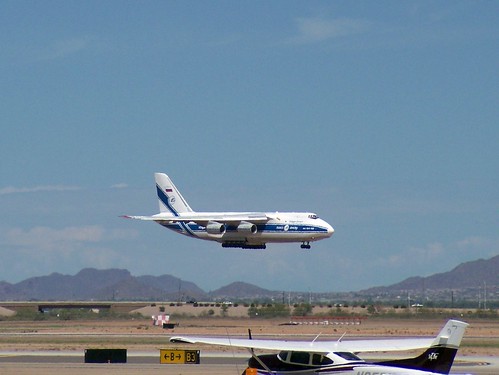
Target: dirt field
column 482, row 336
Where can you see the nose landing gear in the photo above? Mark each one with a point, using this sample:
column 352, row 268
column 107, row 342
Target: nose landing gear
column 305, row 245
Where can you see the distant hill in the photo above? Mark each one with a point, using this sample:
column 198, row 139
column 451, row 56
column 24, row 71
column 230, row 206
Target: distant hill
column 242, row 290
column 119, row 284
column 467, row 275
column 110, row 284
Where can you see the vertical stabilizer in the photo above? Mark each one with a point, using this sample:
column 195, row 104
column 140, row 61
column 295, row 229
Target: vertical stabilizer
column 170, row 199
column 439, row 357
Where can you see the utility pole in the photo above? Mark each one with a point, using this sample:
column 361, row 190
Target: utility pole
column 484, row 295
column 479, row 295
column 179, row 289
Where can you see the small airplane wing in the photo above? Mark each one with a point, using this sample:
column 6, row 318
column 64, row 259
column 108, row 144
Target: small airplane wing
column 323, row 347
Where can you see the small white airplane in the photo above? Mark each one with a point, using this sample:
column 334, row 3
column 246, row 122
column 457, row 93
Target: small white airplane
column 337, row 357
column 247, row 230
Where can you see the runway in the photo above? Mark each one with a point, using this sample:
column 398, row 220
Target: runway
column 145, row 363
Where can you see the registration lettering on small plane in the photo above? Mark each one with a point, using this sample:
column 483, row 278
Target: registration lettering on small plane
column 167, row 356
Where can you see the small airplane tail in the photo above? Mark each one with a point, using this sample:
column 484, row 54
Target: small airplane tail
column 439, row 357
column 170, row 199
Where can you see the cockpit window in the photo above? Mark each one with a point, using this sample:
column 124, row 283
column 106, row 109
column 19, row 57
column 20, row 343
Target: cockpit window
column 300, row 357
column 348, row 356
column 283, row 356
column 313, row 216
column 321, row 360
column 305, row 358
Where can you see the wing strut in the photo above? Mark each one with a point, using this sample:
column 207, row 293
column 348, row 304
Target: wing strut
column 316, row 337
column 252, row 352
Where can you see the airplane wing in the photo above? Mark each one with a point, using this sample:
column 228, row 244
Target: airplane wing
column 228, row 218
column 323, row 347
column 224, row 219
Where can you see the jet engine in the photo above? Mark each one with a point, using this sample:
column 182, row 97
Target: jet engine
column 246, row 227
column 215, row 228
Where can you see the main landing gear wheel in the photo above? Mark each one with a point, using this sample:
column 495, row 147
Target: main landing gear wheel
column 305, row 245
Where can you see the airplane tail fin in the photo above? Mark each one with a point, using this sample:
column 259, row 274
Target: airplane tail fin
column 440, row 355
column 170, row 199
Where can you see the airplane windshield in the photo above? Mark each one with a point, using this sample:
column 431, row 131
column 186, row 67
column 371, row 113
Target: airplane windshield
column 313, row 216
column 348, row 356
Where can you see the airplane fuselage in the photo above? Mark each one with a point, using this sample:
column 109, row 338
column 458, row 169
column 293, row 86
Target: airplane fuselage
column 303, row 363
column 282, row 227
column 350, row 369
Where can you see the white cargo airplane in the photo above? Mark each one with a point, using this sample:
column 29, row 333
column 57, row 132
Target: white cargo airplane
column 247, row 230
column 337, row 357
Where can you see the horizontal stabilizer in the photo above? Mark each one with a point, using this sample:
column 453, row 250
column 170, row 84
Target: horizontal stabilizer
column 149, row 218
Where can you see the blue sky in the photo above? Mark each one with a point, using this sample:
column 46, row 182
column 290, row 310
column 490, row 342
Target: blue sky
column 381, row 117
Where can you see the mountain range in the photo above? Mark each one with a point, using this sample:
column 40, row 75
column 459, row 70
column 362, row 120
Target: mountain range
column 466, row 275
column 119, row 284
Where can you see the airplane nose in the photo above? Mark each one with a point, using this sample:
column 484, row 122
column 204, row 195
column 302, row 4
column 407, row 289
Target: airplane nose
column 330, row 230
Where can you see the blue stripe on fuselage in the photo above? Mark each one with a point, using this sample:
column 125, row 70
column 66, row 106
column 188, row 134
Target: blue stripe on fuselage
column 191, row 228
column 292, row 228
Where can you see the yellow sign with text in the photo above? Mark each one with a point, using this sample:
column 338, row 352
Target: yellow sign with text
column 167, row 356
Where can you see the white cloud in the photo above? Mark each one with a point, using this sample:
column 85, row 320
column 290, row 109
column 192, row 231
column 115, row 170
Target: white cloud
column 227, row 40
column 416, row 256
column 312, row 30
column 65, row 47
column 36, row 189
column 473, row 242
column 478, row 246
column 437, row 257
column 103, row 258
column 121, row 234
column 42, row 250
column 121, row 185
column 62, row 240
column 45, row 238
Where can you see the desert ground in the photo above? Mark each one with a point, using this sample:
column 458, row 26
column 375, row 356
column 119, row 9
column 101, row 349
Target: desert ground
column 482, row 336
column 45, row 343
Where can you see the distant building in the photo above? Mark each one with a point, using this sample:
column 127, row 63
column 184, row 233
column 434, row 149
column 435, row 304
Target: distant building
column 160, row 319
